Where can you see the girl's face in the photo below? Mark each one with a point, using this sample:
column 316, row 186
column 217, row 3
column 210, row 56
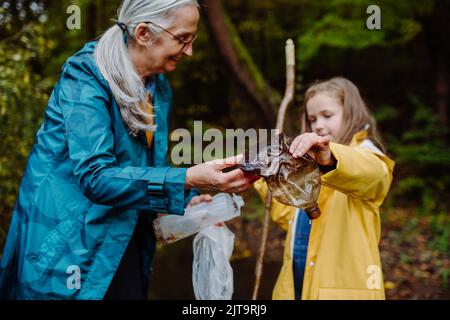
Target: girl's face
column 324, row 113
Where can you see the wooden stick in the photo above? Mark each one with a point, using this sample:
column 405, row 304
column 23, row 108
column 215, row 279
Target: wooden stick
column 288, row 96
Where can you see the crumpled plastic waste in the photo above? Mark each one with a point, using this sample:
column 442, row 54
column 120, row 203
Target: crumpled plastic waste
column 292, row 181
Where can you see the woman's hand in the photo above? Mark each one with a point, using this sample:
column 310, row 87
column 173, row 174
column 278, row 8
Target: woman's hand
column 199, row 199
column 203, row 198
column 209, row 175
column 316, row 146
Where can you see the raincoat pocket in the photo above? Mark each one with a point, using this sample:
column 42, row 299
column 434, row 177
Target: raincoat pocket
column 349, row 294
column 45, row 256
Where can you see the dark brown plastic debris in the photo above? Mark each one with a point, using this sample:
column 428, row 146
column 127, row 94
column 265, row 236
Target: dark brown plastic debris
column 292, row 181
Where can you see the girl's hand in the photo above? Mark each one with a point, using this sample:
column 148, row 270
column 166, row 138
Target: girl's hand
column 316, row 146
column 199, row 199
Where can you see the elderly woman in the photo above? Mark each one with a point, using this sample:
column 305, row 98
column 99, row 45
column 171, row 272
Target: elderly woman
column 97, row 174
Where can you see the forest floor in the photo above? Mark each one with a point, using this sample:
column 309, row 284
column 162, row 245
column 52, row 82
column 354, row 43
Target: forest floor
column 414, row 250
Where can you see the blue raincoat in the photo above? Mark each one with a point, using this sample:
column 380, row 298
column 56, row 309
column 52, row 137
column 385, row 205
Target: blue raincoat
column 85, row 184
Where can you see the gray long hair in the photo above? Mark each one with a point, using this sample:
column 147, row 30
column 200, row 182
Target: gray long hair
column 115, row 64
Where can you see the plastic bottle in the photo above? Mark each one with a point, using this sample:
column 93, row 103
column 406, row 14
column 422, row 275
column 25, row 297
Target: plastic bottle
column 223, row 207
column 292, row 181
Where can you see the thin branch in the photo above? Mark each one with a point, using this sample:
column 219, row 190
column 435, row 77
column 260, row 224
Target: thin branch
column 288, row 97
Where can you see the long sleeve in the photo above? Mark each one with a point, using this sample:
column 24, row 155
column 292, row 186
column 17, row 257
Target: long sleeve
column 359, row 173
column 84, row 102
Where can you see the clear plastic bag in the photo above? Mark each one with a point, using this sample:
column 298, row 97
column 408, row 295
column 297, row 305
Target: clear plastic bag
column 292, row 181
column 212, row 275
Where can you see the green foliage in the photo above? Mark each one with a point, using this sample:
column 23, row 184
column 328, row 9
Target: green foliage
column 440, row 227
column 341, row 24
column 422, row 156
column 23, row 95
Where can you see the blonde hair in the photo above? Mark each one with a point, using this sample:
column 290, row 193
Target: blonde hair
column 356, row 116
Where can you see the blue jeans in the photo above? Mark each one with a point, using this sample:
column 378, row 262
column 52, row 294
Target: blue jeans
column 301, row 238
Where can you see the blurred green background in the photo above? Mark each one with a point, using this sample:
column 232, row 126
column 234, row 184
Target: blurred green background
column 402, row 71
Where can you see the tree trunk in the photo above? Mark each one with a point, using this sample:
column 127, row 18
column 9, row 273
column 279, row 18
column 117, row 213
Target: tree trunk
column 250, row 80
column 437, row 33
column 91, row 20
column 441, row 90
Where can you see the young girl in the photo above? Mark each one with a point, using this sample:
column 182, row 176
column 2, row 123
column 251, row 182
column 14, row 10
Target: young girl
column 336, row 256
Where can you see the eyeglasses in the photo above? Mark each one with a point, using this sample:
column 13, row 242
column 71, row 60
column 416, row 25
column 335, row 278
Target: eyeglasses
column 183, row 42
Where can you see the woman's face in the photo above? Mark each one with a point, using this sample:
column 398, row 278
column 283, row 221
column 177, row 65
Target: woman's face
column 325, row 115
column 162, row 53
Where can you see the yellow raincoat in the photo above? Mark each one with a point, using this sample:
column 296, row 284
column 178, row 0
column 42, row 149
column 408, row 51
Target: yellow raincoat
column 343, row 260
